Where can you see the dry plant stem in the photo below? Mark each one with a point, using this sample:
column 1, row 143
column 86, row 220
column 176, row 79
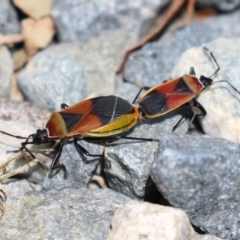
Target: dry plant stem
column 10, row 39
column 3, row 166
column 1, row 204
column 100, row 181
column 174, row 8
column 20, row 169
column 2, row 209
column 4, row 194
column 189, row 12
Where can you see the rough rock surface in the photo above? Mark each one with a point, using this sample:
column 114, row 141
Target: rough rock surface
column 8, row 21
column 18, row 188
column 134, row 221
column 68, row 214
column 69, row 73
column 8, row 143
column 200, row 175
column 80, row 19
column 23, row 112
column 223, row 5
column 154, row 62
column 50, row 77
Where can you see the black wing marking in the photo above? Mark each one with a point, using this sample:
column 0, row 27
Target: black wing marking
column 70, row 119
column 110, row 108
column 153, row 103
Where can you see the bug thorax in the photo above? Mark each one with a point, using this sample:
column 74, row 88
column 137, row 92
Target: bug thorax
column 41, row 136
column 206, row 81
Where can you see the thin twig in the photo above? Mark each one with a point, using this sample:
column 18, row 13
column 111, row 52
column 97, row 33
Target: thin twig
column 174, row 8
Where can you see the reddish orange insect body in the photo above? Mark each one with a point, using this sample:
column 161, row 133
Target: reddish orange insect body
column 96, row 117
column 170, row 95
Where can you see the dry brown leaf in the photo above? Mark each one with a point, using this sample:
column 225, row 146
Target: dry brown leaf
column 34, row 8
column 37, row 34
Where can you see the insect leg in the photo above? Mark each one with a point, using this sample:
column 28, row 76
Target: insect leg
column 64, row 105
column 142, row 88
column 141, row 139
column 192, row 71
column 214, row 59
column 23, row 144
column 180, row 120
column 56, row 159
column 228, row 84
column 198, row 110
column 84, row 151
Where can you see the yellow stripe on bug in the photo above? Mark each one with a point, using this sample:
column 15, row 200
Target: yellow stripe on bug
column 118, row 126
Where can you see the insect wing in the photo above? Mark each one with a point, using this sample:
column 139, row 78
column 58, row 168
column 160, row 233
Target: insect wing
column 168, row 96
column 87, row 115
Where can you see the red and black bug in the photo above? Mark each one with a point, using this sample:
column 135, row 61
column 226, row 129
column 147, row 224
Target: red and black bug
column 101, row 117
column 166, row 97
column 108, row 117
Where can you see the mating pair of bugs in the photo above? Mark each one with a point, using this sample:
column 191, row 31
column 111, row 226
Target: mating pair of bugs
column 110, row 116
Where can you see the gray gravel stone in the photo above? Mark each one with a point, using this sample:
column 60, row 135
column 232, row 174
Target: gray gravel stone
column 6, row 71
column 23, row 112
column 154, row 62
column 71, row 72
column 18, row 188
column 221, row 102
column 8, row 143
column 136, row 221
column 81, row 19
column 223, row 5
column 53, row 77
column 200, row 175
column 8, row 18
column 68, row 214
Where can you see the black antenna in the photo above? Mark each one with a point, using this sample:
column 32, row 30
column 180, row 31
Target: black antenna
column 11, row 135
column 229, row 85
column 214, row 59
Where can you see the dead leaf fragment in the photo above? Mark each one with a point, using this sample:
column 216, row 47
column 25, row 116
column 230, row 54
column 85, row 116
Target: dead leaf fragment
column 37, row 34
column 34, row 8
